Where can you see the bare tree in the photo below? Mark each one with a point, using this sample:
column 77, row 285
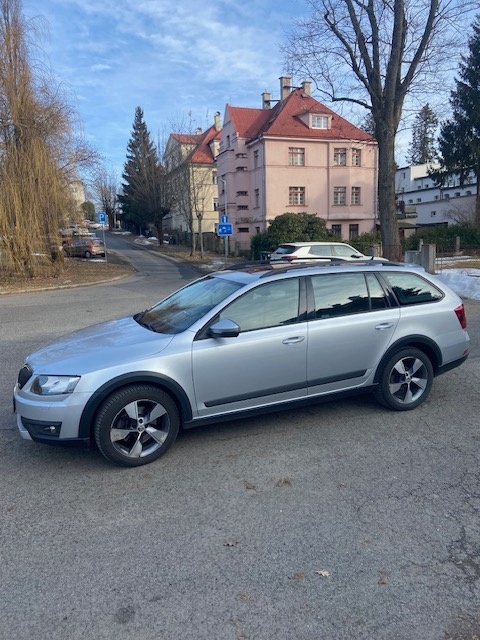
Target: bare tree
column 105, row 187
column 373, row 53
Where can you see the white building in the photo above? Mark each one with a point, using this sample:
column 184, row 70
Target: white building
column 422, row 202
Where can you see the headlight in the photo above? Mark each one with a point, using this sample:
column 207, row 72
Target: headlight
column 54, row 385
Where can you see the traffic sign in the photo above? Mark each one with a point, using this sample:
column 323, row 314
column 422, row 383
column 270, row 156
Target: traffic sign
column 224, row 219
column 225, row 229
column 102, row 217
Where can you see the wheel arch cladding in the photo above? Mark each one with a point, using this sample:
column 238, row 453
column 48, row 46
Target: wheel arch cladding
column 164, row 383
column 429, row 348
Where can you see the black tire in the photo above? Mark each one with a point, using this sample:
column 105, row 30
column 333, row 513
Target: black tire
column 128, row 434
column 405, row 380
column 87, row 254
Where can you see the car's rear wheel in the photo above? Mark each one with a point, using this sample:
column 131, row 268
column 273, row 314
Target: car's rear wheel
column 405, row 380
column 136, row 425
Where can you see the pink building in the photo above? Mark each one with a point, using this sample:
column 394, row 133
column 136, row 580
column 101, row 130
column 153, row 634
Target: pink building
column 297, row 156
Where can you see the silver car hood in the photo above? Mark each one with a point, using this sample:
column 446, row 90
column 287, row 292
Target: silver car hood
column 105, row 344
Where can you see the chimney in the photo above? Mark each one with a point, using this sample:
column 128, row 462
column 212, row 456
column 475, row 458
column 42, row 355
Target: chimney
column 306, row 88
column 198, row 131
column 216, row 120
column 285, row 87
column 266, row 100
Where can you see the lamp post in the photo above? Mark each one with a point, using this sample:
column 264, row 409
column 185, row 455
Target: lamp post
column 226, row 204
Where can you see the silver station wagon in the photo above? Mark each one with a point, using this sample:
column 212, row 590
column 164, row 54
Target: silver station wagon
column 239, row 341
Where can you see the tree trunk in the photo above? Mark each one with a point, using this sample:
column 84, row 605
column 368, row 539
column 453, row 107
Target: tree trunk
column 387, row 209
column 200, row 235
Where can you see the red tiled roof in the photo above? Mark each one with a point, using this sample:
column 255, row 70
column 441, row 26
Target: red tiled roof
column 284, row 121
column 202, row 153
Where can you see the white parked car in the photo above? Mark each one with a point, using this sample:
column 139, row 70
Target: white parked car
column 306, row 251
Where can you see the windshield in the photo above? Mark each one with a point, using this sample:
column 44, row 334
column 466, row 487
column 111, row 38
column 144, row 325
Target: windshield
column 184, row 307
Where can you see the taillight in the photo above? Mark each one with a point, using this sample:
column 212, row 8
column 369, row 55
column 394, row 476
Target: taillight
column 462, row 316
column 289, row 258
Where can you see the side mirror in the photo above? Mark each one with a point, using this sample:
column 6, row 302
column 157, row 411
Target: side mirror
column 224, row 329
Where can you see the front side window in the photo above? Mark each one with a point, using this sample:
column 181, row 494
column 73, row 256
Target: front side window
column 410, row 288
column 340, row 294
column 296, row 156
column 296, row 195
column 339, row 195
column 268, row 305
column 340, row 156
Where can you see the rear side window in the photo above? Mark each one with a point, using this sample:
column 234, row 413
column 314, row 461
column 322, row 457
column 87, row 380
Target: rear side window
column 411, row 288
column 341, row 294
column 345, row 251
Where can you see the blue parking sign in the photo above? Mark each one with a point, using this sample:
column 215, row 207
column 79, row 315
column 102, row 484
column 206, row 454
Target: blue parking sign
column 102, row 217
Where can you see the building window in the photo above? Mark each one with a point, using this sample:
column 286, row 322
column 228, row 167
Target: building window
column 447, row 196
column 257, row 197
column 243, row 230
column 255, row 159
column 352, row 231
column 356, row 193
column 242, row 207
column 319, row 122
column 242, row 193
column 296, row 156
column 340, row 156
column 296, row 195
column 337, row 230
column 215, row 204
column 339, row 195
column 241, row 168
column 228, row 142
column 419, row 199
column 214, row 177
column 356, row 157
column 433, row 213
column 240, row 155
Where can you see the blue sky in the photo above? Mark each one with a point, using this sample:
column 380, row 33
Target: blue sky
column 180, row 60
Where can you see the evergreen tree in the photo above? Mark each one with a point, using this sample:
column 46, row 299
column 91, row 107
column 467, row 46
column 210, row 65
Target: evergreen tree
column 422, row 148
column 459, row 140
column 141, row 185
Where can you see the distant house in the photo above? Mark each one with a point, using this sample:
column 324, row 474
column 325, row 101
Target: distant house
column 189, row 160
column 295, row 156
column 422, row 201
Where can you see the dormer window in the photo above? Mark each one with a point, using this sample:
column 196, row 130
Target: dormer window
column 319, row 122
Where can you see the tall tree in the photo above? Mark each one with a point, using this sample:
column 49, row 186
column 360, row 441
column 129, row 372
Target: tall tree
column 142, row 179
column 459, row 140
column 422, row 148
column 374, row 53
column 39, row 152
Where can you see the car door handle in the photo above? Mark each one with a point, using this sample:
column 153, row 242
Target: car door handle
column 293, row 340
column 384, row 325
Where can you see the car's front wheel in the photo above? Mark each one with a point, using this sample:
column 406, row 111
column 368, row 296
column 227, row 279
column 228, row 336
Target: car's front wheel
column 136, row 425
column 87, row 254
column 405, row 380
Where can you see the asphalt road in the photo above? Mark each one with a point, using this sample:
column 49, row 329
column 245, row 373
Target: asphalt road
column 339, row 521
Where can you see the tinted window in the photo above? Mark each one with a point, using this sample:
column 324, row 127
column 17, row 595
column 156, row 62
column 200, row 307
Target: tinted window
column 321, row 250
column 378, row 298
column 412, row 289
column 340, row 294
column 345, row 251
column 269, row 305
column 284, row 249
